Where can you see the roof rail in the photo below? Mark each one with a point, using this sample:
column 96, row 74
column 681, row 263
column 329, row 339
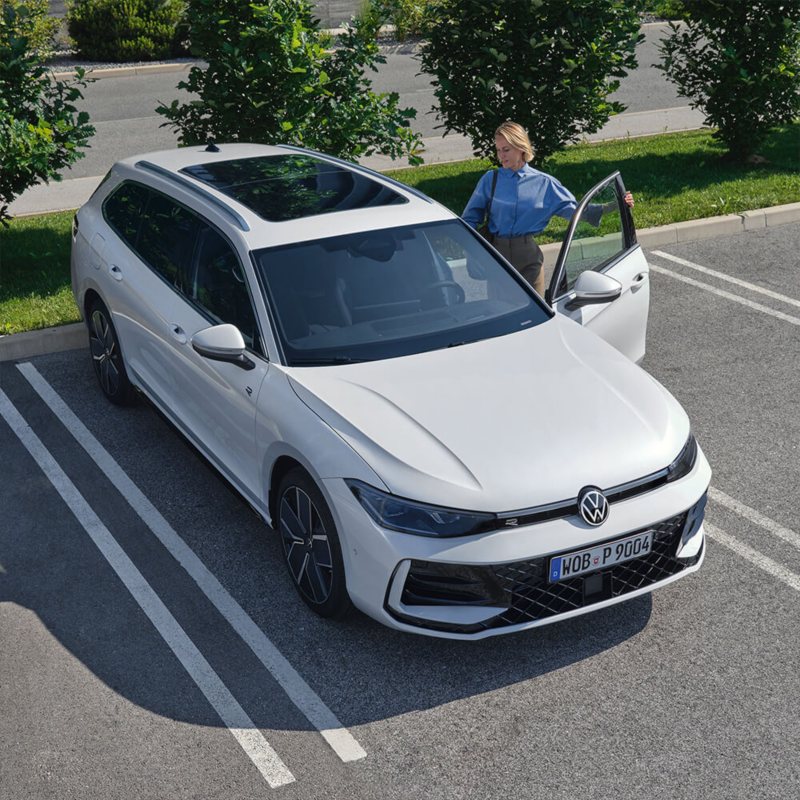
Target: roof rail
column 359, row 168
column 199, row 190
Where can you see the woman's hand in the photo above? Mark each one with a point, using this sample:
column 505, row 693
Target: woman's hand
column 628, row 199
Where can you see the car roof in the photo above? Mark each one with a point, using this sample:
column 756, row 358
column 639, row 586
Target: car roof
column 165, row 168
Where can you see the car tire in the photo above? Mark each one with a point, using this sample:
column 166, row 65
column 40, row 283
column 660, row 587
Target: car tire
column 107, row 356
column 311, row 548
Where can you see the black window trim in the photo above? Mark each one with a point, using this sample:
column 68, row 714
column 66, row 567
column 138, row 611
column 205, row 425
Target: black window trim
column 628, row 234
column 200, row 310
column 133, row 247
column 183, row 277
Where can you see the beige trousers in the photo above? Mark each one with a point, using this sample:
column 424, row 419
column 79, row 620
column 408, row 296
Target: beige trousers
column 526, row 256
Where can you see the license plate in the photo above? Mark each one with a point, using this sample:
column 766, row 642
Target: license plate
column 604, row 555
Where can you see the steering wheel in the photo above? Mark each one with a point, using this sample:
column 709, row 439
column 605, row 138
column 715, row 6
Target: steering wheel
column 460, row 294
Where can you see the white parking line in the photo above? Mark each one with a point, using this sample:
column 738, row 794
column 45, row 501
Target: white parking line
column 232, row 714
column 727, row 295
column 757, row 517
column 301, row 694
column 754, row 557
column 751, row 287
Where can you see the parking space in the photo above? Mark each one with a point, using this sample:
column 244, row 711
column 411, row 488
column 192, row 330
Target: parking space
column 690, row 691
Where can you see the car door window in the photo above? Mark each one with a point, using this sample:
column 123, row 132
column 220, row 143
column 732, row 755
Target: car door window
column 599, row 237
column 217, row 286
column 123, row 210
column 165, row 237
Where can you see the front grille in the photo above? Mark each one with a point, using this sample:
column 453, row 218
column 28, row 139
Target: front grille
column 523, row 589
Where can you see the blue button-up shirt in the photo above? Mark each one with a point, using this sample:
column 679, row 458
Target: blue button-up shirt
column 524, row 202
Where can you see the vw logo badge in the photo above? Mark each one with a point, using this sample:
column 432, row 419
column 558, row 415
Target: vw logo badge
column 593, row 505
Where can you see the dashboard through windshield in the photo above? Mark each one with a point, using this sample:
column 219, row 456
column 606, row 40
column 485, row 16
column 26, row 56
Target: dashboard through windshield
column 391, row 292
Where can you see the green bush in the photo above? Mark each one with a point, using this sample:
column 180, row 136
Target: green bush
column 666, row 9
column 40, row 128
column 408, row 17
column 739, row 63
column 548, row 64
column 126, row 30
column 272, row 77
column 36, row 25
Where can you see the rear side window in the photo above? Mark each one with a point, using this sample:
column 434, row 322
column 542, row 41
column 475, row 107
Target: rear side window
column 166, row 237
column 123, row 210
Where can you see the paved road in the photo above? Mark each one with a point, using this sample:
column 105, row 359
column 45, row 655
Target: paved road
column 690, row 692
column 331, row 12
column 123, row 109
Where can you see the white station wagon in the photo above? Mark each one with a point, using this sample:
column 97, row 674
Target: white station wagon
column 433, row 442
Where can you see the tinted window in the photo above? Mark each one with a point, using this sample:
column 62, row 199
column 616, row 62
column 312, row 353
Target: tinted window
column 391, row 292
column 165, row 237
column 216, row 284
column 123, row 210
column 280, row 188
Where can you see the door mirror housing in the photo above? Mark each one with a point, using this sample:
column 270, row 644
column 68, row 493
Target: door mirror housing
column 592, row 288
column 222, row 343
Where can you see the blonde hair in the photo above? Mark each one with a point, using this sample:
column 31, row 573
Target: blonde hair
column 517, row 137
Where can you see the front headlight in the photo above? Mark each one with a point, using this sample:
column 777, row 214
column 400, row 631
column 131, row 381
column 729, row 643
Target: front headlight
column 684, row 463
column 420, row 519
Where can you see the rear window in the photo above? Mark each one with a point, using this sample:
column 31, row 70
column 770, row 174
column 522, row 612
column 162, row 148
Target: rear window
column 292, row 186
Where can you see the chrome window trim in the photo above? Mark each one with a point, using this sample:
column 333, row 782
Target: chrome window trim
column 198, row 190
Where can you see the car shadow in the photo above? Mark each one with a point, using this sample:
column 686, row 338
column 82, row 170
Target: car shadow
column 362, row 670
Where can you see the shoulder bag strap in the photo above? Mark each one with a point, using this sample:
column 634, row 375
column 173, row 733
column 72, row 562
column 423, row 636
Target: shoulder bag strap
column 491, row 199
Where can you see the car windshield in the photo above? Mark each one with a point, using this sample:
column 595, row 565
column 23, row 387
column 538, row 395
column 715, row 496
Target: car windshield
column 391, row 292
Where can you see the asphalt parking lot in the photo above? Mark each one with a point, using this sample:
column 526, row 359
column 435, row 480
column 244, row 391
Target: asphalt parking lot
column 153, row 646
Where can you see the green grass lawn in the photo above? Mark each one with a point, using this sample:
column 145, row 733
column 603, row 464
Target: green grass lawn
column 35, row 288
column 674, row 177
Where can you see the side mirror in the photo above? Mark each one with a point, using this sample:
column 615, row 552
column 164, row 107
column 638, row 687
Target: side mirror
column 592, row 288
column 222, row 343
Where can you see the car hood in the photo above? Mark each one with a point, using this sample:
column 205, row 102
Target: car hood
column 502, row 424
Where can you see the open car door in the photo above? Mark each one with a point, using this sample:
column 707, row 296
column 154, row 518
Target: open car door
column 601, row 279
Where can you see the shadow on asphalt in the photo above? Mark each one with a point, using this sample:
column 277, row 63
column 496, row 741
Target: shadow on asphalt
column 362, row 670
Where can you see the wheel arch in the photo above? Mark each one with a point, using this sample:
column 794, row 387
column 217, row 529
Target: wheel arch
column 89, row 298
column 282, row 467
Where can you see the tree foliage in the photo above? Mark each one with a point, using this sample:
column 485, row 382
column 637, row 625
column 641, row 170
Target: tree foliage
column 548, row 64
column 36, row 24
column 274, row 76
column 126, row 30
column 41, row 130
column 738, row 62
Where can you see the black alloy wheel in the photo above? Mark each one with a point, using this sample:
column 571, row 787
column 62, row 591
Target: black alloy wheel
column 107, row 357
column 311, row 546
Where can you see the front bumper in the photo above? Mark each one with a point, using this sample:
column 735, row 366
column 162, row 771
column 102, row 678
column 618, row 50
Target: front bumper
column 485, row 585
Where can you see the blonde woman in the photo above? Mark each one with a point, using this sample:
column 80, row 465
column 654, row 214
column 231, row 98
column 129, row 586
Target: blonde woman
column 522, row 205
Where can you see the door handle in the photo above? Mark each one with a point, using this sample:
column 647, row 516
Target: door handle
column 115, row 271
column 638, row 281
column 178, row 334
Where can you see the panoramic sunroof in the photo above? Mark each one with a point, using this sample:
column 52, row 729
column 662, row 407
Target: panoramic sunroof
column 285, row 187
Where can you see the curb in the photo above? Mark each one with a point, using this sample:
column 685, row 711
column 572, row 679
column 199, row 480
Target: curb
column 42, row 342
column 184, row 66
column 73, row 337
column 127, row 72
